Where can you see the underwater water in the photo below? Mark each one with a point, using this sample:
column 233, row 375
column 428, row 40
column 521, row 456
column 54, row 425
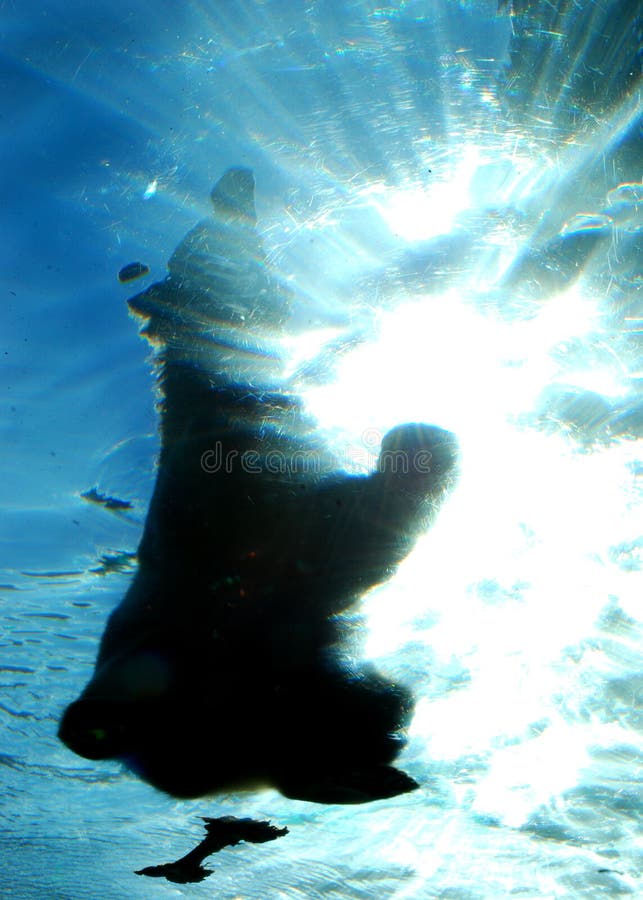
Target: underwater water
column 452, row 191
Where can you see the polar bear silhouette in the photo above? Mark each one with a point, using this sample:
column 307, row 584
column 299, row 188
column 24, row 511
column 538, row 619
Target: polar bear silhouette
column 222, row 667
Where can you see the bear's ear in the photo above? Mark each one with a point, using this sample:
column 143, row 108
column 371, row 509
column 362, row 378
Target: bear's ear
column 233, row 197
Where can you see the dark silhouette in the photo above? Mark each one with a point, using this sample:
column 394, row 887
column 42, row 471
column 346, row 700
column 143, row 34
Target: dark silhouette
column 132, row 271
column 112, row 503
column 223, row 832
column 223, row 665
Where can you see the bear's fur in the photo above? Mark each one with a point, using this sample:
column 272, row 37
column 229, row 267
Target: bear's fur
column 220, row 668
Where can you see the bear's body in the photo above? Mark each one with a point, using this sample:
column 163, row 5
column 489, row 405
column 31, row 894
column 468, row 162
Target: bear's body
column 220, row 667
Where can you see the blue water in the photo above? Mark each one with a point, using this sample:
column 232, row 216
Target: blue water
column 432, row 213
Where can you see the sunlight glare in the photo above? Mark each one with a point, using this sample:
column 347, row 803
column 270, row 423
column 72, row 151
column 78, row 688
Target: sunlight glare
column 150, row 190
column 495, row 648
column 421, row 212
